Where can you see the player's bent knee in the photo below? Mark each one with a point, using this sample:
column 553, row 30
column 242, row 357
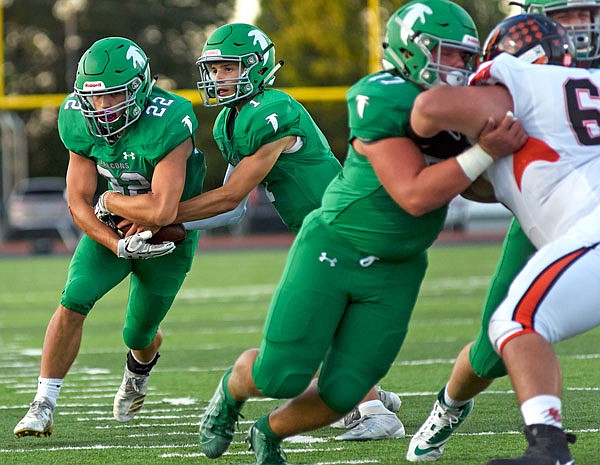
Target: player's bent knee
column 136, row 339
column 286, row 388
column 281, row 386
column 500, row 330
column 484, row 360
column 342, row 400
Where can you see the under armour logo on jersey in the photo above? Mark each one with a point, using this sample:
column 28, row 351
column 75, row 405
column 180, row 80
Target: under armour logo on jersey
column 254, row 103
column 272, row 120
column 136, row 57
column 129, row 155
column 414, row 13
column 187, row 121
column 361, row 102
column 325, row 258
column 368, row 261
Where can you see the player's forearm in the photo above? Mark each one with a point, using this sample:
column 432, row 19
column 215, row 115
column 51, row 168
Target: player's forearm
column 85, row 219
column 431, row 189
column 462, row 109
column 227, row 218
column 146, row 209
column 429, row 115
column 207, row 205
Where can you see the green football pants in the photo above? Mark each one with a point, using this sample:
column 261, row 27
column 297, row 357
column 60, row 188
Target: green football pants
column 338, row 312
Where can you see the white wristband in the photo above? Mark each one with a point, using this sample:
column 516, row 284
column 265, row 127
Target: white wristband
column 474, row 161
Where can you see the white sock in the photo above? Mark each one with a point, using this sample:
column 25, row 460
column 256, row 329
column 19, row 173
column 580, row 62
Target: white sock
column 450, row 402
column 372, row 407
column 545, row 410
column 48, row 388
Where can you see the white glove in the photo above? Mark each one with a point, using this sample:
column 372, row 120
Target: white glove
column 100, row 209
column 135, row 246
column 104, row 215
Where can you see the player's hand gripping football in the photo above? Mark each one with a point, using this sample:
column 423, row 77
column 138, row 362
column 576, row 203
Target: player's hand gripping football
column 136, row 246
column 104, row 214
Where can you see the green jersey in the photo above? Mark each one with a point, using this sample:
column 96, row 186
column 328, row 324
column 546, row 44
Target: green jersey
column 355, row 204
column 128, row 164
column 296, row 183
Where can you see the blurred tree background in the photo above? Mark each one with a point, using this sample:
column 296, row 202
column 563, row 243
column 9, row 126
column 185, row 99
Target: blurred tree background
column 323, row 43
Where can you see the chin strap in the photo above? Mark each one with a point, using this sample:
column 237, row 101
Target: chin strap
column 271, row 73
column 522, row 5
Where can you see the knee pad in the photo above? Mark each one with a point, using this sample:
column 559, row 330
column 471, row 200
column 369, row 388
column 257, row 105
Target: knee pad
column 282, row 372
column 281, row 385
column 343, row 393
column 484, row 360
column 137, row 338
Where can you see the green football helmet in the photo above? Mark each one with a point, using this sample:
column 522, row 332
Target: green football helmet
column 110, row 66
column 246, row 45
column 419, row 32
column 586, row 37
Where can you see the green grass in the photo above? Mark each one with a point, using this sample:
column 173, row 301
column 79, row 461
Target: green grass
column 217, row 315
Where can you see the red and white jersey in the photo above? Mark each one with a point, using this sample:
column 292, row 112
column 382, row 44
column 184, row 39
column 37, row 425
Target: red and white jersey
column 553, row 183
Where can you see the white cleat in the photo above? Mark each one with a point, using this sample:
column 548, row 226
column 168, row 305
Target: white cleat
column 130, row 396
column 38, row 420
column 428, row 443
column 390, row 401
column 373, row 427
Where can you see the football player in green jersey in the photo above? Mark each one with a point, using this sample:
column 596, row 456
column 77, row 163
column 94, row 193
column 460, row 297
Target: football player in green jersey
column 353, row 273
column 478, row 364
column 271, row 139
column 119, row 124
column 266, row 135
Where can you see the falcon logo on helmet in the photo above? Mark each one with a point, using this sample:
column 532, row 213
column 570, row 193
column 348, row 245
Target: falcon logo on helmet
column 137, row 59
column 414, row 13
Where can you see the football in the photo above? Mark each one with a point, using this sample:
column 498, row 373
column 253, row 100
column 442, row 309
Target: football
column 172, row 232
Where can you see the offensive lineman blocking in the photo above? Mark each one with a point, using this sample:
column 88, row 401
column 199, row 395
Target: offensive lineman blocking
column 340, row 305
column 552, row 185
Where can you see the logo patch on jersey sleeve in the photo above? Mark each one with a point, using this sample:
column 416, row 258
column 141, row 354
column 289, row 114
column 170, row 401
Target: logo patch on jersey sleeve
column 272, row 120
column 361, row 102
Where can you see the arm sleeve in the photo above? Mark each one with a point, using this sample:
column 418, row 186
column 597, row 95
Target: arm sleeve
column 224, row 219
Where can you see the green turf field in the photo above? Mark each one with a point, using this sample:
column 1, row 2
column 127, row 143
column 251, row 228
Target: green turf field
column 217, row 315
